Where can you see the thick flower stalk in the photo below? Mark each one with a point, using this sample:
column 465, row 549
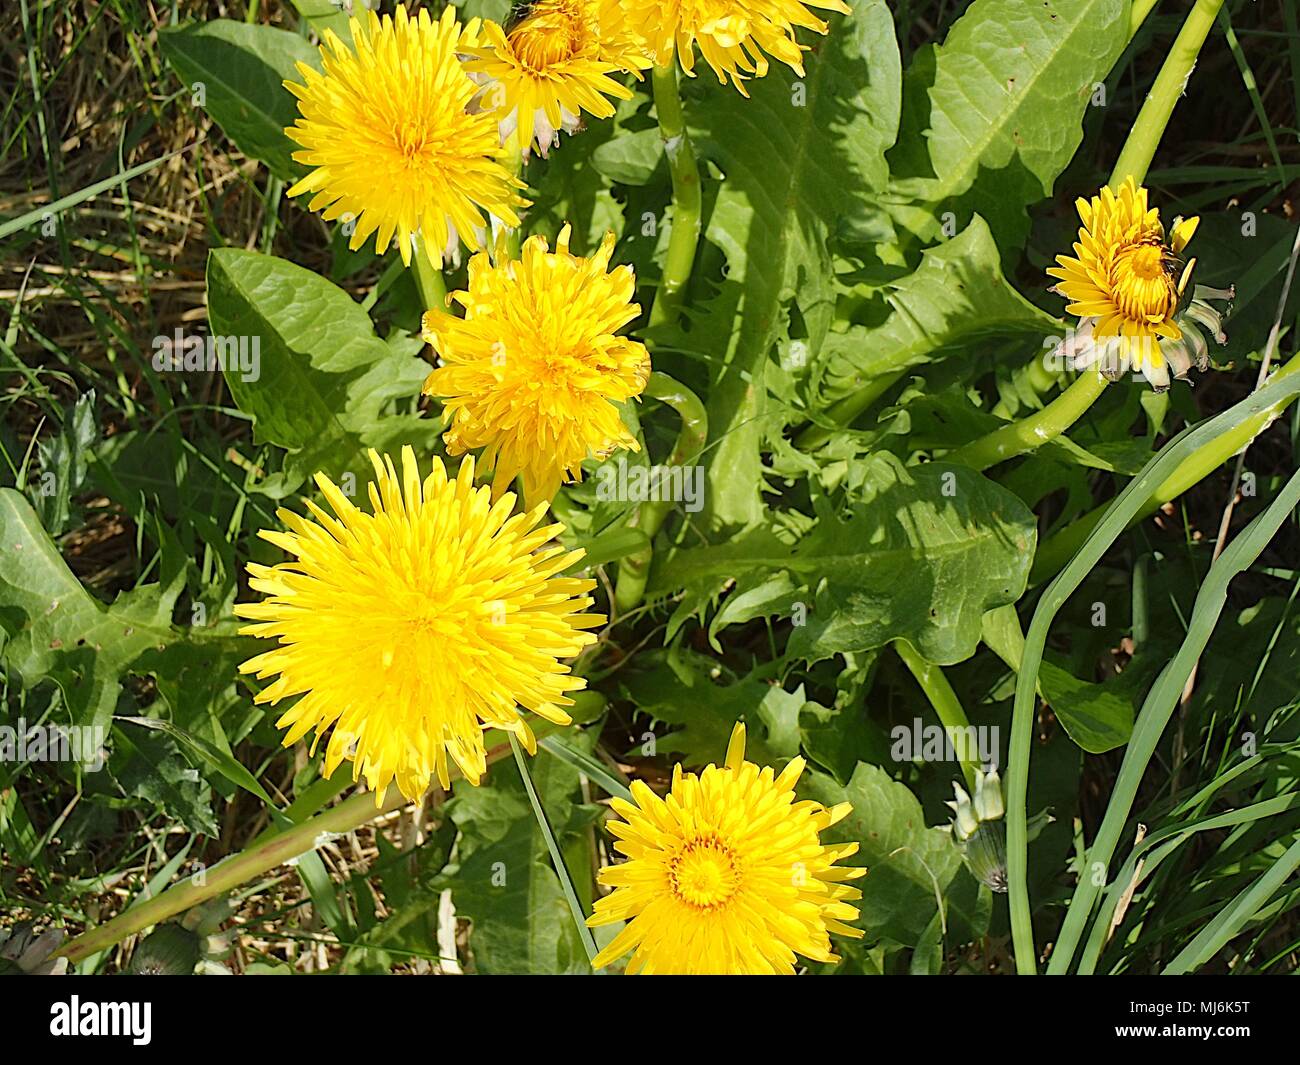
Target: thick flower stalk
column 1130, row 287
column 535, row 370
column 411, row 628
column 393, row 145
column 560, row 60
column 735, row 37
column 727, row 874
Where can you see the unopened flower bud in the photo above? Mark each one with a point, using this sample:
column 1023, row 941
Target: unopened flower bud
column 988, row 796
column 965, row 822
column 169, row 950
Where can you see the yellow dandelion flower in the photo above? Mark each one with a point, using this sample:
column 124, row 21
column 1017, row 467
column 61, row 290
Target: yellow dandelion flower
column 727, row 874
column 554, row 64
column 1128, row 285
column 533, row 372
column 393, row 144
column 412, row 628
column 733, row 35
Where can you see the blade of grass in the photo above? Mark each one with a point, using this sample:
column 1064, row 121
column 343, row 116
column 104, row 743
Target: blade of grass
column 595, row 770
column 1172, row 838
column 1106, row 532
column 557, row 857
column 1159, row 707
column 1252, row 90
column 13, row 225
column 1234, row 916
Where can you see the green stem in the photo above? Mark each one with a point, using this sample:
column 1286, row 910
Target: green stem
column 634, row 570
column 1058, row 550
column 430, row 282
column 1036, row 430
column 227, row 875
column 1140, row 148
column 947, row 706
column 269, row 850
column 514, row 164
column 1141, row 9
column 685, row 232
column 557, row 857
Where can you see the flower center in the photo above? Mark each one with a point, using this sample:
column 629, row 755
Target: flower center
column 412, row 140
column 547, row 37
column 1143, row 289
column 1145, row 261
column 703, row 874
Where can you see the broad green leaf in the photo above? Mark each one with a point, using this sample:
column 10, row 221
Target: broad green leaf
column 325, row 15
column 205, row 752
column 837, row 738
column 955, row 298
column 1001, row 631
column 1098, row 717
column 630, row 158
column 497, row 10
column 154, row 770
column 995, row 113
column 241, row 69
column 326, row 384
column 55, row 630
column 921, row 553
column 566, row 189
column 688, row 690
column 910, row 867
column 798, row 158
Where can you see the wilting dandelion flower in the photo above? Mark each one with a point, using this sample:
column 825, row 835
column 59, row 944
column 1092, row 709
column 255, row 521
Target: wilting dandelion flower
column 392, row 142
column 534, row 371
column 727, row 874
column 555, row 63
column 412, row 627
column 1129, row 286
column 733, row 35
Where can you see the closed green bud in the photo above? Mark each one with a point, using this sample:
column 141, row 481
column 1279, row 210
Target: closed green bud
column 964, row 821
column 988, row 796
column 169, row 950
column 985, row 854
column 980, row 831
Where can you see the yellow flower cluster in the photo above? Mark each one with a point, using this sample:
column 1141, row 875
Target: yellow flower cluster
column 407, row 625
column 404, row 132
